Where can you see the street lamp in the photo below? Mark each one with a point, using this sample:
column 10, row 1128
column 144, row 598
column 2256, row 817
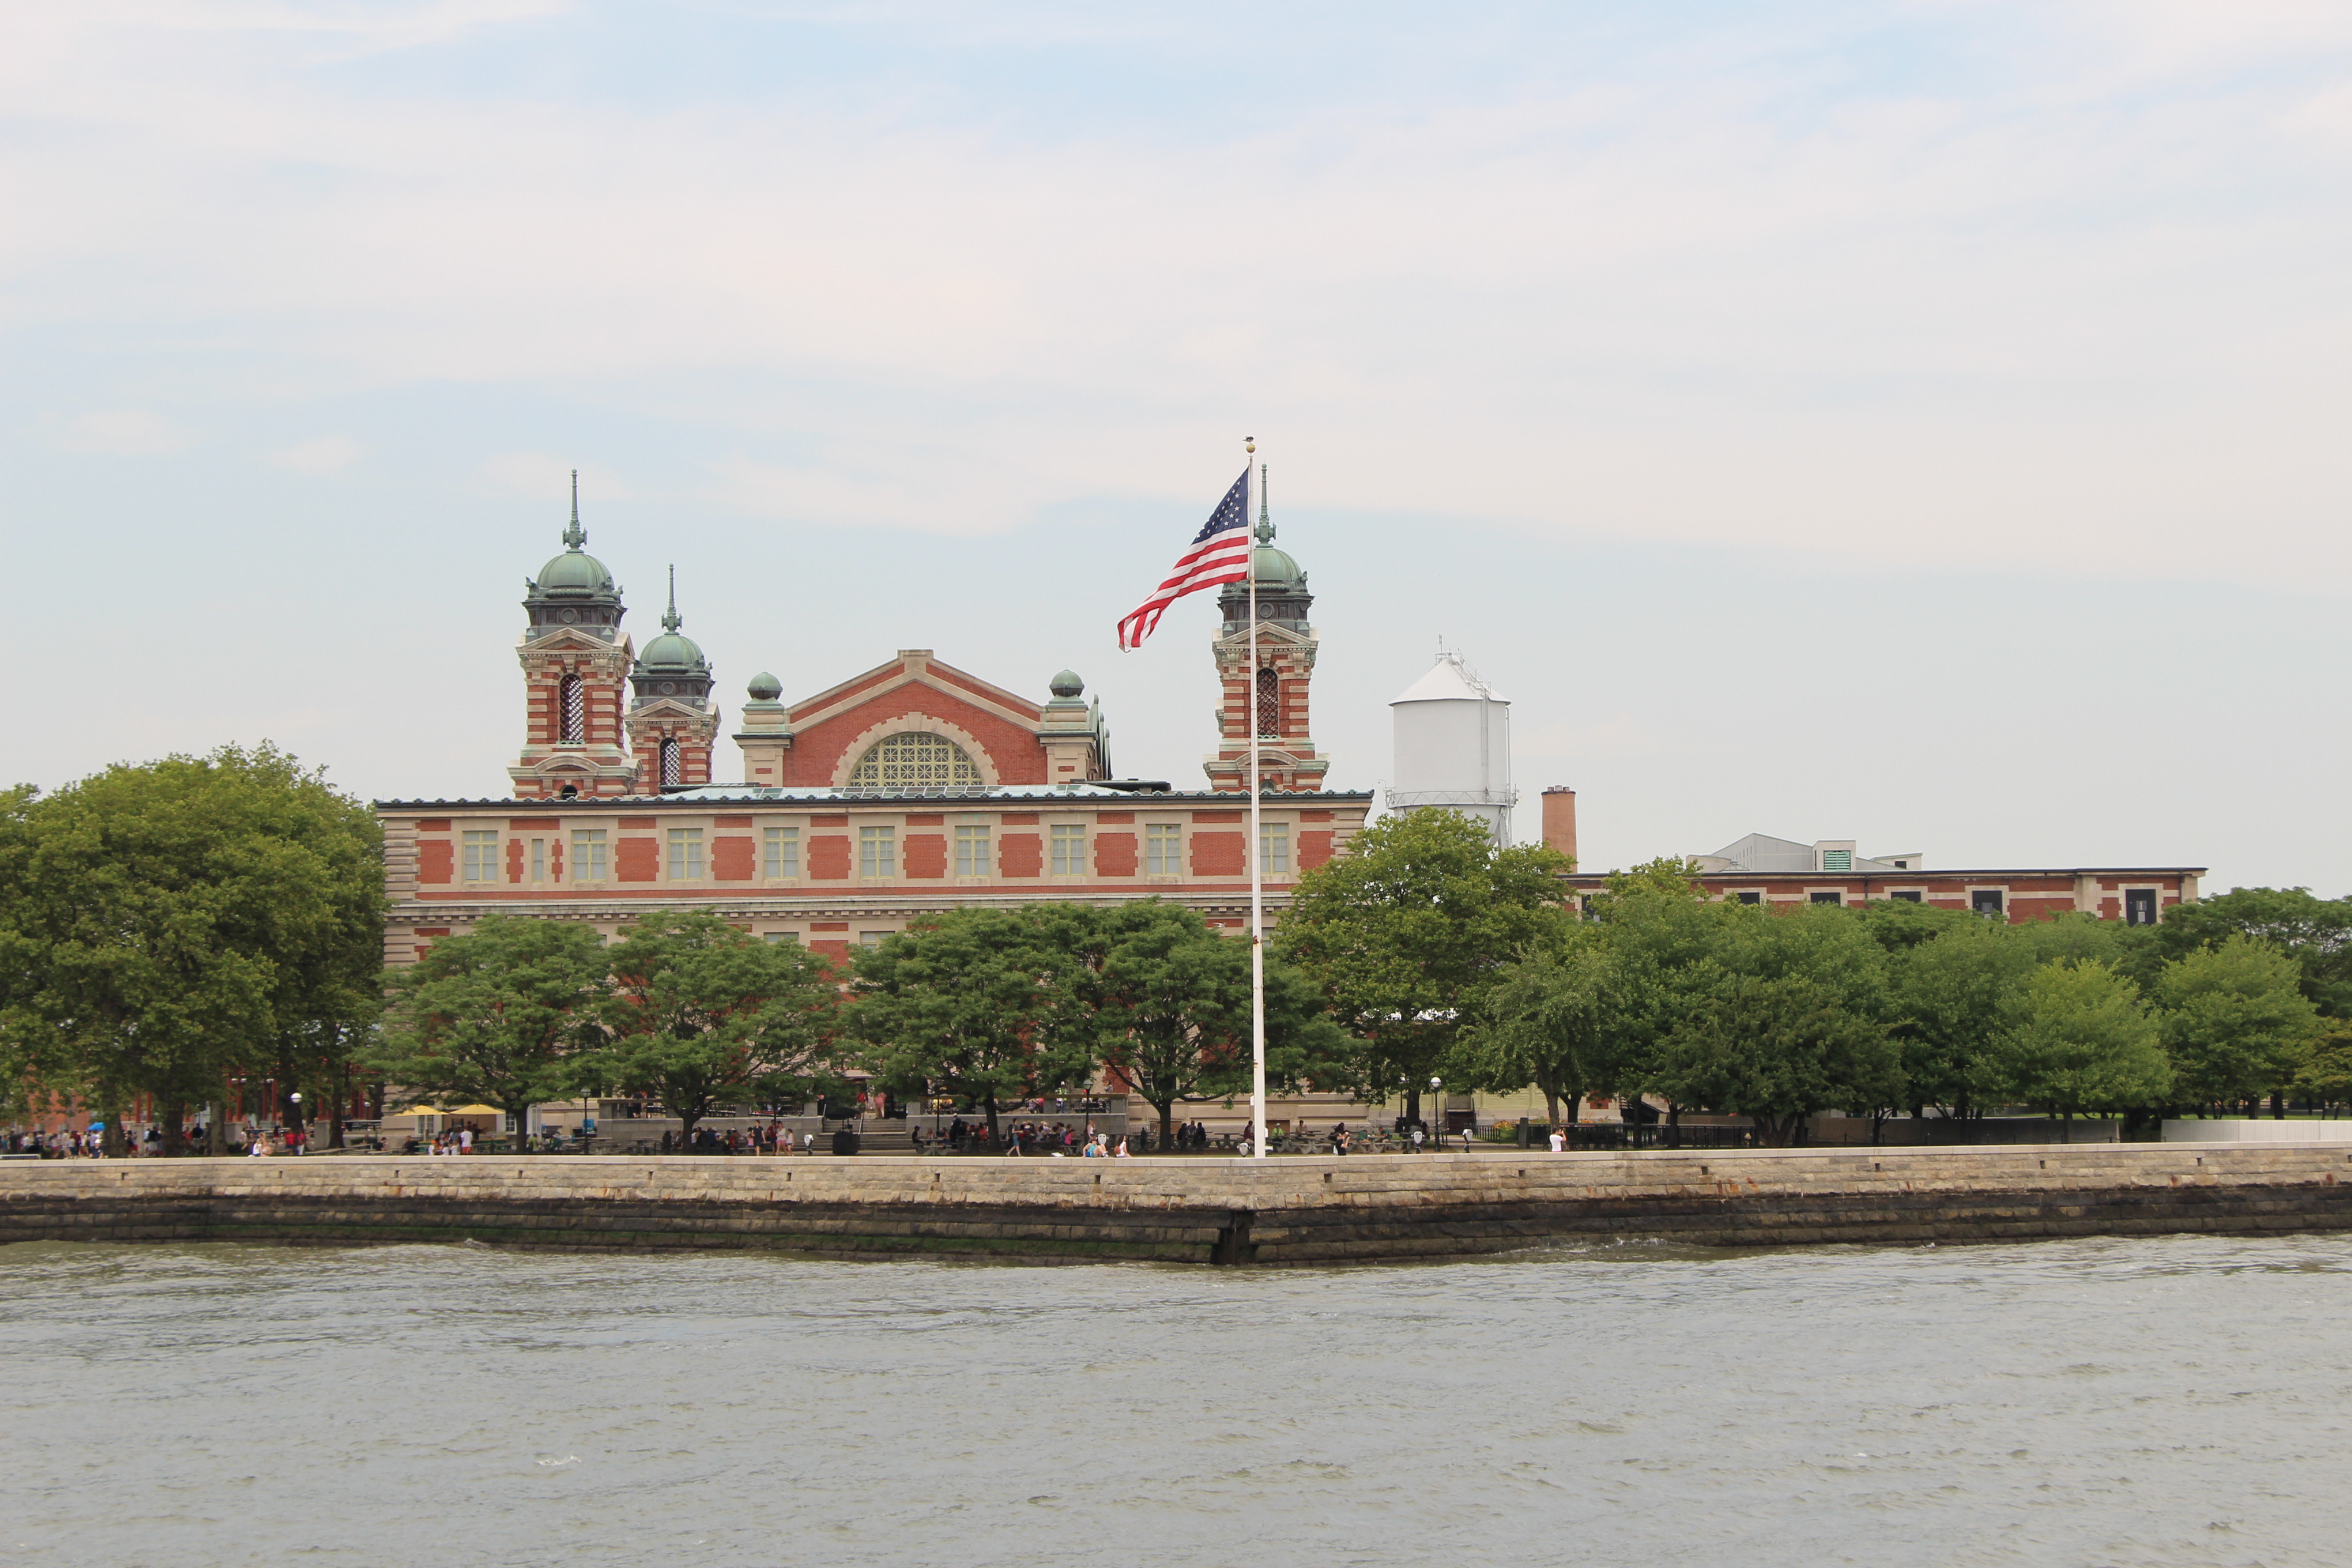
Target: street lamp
column 1437, row 1121
column 297, row 1099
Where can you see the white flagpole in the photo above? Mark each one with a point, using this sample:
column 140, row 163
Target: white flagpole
column 1256, row 838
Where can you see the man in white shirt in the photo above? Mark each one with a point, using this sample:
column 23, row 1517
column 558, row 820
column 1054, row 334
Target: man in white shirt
column 1559, row 1140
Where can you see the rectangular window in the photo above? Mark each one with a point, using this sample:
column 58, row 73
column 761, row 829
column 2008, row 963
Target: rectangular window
column 2140, row 906
column 685, row 853
column 1828, row 898
column 1985, row 900
column 1908, row 895
column 971, row 851
column 481, row 856
column 1069, row 849
column 539, row 860
column 792, row 937
column 1274, row 849
column 782, row 851
column 1163, row 848
column 871, row 938
column 877, row 851
column 1837, row 859
column 1750, row 896
column 587, row 854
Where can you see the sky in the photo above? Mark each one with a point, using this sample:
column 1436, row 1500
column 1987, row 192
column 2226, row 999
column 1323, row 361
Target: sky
column 1924, row 424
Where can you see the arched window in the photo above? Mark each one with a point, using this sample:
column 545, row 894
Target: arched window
column 914, row 761
column 1270, row 703
column 671, row 775
column 570, row 709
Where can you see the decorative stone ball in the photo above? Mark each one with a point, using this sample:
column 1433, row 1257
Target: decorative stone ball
column 1067, row 684
column 765, row 687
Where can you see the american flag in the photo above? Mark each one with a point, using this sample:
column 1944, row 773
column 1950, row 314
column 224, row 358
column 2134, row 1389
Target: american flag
column 1220, row 553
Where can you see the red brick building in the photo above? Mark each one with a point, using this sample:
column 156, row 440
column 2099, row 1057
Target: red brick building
column 1761, row 869
column 911, row 788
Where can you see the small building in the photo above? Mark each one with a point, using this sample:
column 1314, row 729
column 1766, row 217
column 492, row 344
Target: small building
column 1762, row 869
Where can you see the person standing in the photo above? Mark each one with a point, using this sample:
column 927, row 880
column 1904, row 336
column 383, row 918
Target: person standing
column 1559, row 1140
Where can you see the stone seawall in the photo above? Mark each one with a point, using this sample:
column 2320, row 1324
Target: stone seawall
column 1363, row 1208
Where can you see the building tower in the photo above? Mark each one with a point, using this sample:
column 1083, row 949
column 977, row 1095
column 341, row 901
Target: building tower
column 573, row 658
column 1266, row 686
column 671, row 721
column 1453, row 737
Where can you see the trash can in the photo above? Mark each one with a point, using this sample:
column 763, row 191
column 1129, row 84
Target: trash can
column 845, row 1141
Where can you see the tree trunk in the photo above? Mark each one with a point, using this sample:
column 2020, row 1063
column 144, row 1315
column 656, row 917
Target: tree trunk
column 215, row 1128
column 1551, row 1108
column 174, row 1114
column 2278, row 1106
column 110, row 1142
column 989, row 1103
column 1167, row 1109
column 1412, row 1107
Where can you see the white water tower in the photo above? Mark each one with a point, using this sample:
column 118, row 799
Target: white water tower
column 1453, row 735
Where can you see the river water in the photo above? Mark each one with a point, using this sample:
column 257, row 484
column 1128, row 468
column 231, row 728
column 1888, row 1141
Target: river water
column 2179, row 1401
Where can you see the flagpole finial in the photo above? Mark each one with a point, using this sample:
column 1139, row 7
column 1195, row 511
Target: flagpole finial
column 1249, row 443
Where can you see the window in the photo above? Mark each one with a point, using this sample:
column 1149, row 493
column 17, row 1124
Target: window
column 1270, row 703
column 587, row 854
column 570, row 709
column 1069, row 849
column 779, row 937
column 871, row 938
column 877, row 851
column 781, row 852
column 1828, row 898
column 481, row 856
column 672, row 774
column 1750, row 896
column 914, row 761
column 539, row 860
column 685, row 853
column 1908, row 895
column 2140, row 906
column 971, row 850
column 1274, row 849
column 1985, row 900
column 1837, row 860
column 1163, row 848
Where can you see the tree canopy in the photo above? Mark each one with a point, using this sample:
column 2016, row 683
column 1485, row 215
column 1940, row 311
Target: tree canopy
column 167, row 926
column 1404, row 934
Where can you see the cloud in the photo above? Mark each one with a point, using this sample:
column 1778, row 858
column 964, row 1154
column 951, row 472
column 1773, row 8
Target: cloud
column 324, row 456
column 118, row 433
column 2063, row 299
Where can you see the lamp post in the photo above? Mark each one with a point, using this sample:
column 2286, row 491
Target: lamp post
column 295, row 1099
column 1436, row 1118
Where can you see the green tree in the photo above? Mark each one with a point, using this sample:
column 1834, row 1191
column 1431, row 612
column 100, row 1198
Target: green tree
column 983, row 1004
column 166, row 926
column 2084, row 1042
column 2324, row 1076
column 1168, row 999
column 498, row 1016
column 1957, row 997
column 1403, row 933
column 698, row 1014
column 1784, row 1018
column 1549, row 1020
column 2315, row 932
column 2235, row 1020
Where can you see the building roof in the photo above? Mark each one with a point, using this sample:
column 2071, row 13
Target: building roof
column 1449, row 682
column 1094, row 791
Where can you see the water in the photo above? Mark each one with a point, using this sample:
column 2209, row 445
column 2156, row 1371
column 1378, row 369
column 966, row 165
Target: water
column 2164, row 1402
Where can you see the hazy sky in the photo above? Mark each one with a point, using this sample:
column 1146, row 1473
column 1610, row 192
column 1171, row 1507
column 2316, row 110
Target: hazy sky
column 1928, row 424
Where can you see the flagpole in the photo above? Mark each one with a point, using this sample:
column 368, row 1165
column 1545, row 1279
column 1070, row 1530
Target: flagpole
column 1257, row 842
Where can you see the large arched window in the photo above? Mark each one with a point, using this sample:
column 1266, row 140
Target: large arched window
column 570, row 709
column 673, row 774
column 1269, row 703
column 914, row 761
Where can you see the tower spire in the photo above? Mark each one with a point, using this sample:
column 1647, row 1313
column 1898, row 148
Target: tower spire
column 1265, row 521
column 575, row 536
column 670, row 621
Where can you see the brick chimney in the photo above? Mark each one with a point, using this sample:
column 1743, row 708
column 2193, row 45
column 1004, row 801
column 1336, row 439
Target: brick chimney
column 1559, row 819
